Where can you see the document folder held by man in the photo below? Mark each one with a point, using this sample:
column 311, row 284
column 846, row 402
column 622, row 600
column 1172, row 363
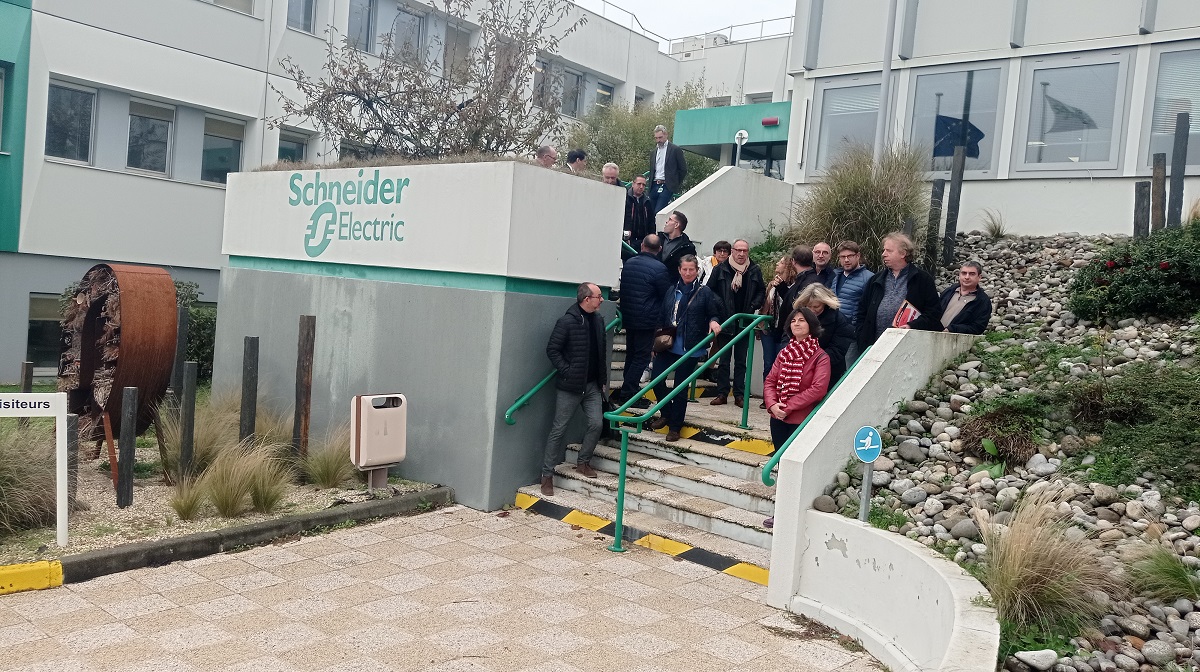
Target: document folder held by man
column 906, row 314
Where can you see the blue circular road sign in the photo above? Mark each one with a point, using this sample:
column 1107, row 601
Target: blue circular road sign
column 868, row 444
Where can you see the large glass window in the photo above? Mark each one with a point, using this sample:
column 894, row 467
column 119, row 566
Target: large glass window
column 43, row 344
column 1177, row 90
column 456, row 52
column 292, row 147
column 222, row 149
column 360, row 32
column 759, row 98
column 149, row 136
column 604, row 94
column 300, row 14
column 406, row 34
column 572, row 89
column 541, row 84
column 847, row 117
column 1072, row 114
column 957, row 108
column 69, row 113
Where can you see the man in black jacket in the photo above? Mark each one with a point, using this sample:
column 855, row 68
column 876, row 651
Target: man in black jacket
column 576, row 349
column 966, row 308
column 644, row 282
column 668, row 169
column 886, row 293
column 806, row 274
column 676, row 244
column 639, row 213
column 738, row 282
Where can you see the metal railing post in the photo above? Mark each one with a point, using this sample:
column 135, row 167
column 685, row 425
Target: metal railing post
column 619, row 523
column 749, row 372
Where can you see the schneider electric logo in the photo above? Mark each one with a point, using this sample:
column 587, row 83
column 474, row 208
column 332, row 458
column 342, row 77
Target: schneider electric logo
column 330, row 220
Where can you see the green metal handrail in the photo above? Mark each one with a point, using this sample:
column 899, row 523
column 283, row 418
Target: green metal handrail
column 622, row 423
column 770, row 465
column 523, row 400
column 629, row 248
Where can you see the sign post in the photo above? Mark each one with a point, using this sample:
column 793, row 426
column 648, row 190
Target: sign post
column 867, row 447
column 46, row 405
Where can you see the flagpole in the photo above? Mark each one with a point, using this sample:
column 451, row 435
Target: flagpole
column 885, row 85
column 1043, row 138
column 937, row 112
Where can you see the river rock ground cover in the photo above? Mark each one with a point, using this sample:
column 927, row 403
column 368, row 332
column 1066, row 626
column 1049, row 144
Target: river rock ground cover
column 1099, row 419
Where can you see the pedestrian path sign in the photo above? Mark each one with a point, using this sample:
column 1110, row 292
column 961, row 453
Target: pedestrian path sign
column 868, row 444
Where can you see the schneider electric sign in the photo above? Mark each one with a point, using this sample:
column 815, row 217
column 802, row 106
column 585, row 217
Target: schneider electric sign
column 331, row 207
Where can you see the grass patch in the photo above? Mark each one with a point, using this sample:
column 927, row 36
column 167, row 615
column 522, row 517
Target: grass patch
column 248, row 469
column 269, row 483
column 215, row 429
column 140, row 469
column 1016, row 637
column 1159, row 573
column 186, row 499
column 885, row 518
column 27, row 494
column 1009, row 423
column 327, row 464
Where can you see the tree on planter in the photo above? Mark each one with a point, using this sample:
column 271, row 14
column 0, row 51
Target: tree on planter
column 443, row 100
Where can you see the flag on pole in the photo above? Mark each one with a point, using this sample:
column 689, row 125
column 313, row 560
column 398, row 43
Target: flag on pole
column 1068, row 118
column 948, row 133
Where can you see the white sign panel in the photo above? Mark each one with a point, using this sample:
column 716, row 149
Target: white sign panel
column 46, row 405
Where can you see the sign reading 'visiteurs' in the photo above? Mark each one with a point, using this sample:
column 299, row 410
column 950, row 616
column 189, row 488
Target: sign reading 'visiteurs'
column 331, row 219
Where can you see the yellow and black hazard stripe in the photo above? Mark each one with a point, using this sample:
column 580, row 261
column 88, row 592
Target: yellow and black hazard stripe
column 719, row 438
column 587, row 521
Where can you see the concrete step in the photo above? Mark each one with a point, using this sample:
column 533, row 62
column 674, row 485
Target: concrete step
column 687, row 479
column 699, row 512
column 638, row 523
column 730, row 462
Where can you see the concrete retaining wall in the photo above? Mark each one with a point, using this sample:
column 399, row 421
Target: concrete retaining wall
column 910, row 608
column 732, row 203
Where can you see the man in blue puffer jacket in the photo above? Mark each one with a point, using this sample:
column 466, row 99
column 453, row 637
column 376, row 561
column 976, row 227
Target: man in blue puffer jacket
column 849, row 283
column 644, row 282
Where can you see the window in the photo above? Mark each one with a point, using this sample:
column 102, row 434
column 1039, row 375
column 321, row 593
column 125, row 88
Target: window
column 541, row 84
column 406, row 34
column 759, row 98
column 572, row 89
column 300, row 14
column 604, row 94
column 149, row 136
column 1178, row 90
column 43, row 344
column 292, row 147
column 847, row 117
column 243, row 6
column 456, row 52
column 720, row 101
column 352, row 150
column 639, row 100
column 69, row 114
column 360, row 31
column 957, row 108
column 1071, row 115
column 222, row 149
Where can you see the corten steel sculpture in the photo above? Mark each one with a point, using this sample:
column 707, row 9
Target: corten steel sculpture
column 118, row 331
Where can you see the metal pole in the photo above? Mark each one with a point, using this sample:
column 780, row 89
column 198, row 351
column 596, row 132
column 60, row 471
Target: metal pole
column 619, row 523
column 885, row 85
column 737, row 155
column 749, row 374
column 864, row 500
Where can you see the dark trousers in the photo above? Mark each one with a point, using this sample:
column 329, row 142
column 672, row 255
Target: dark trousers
column 661, row 197
column 638, row 346
column 771, row 345
column 675, row 409
column 721, row 374
column 590, row 401
column 780, row 432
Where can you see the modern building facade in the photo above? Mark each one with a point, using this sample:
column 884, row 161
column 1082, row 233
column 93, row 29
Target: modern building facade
column 121, row 120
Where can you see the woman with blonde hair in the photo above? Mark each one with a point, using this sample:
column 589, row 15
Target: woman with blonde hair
column 771, row 331
column 836, row 331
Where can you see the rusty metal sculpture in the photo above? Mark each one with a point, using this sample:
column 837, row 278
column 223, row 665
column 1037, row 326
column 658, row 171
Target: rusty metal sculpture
column 118, row 331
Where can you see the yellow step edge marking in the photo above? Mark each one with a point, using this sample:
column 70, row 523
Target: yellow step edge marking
column 685, row 433
column 662, row 544
column 30, row 576
column 744, row 570
column 756, row 446
column 525, row 501
column 585, row 520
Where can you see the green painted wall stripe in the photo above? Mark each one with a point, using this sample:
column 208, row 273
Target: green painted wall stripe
column 15, row 21
column 716, row 125
column 410, row 276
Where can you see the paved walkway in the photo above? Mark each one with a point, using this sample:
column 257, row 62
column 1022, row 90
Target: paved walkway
column 454, row 589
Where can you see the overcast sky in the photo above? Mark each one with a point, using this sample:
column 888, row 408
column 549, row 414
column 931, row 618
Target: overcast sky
column 680, row 18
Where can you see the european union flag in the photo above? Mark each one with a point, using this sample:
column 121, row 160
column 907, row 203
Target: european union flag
column 948, row 133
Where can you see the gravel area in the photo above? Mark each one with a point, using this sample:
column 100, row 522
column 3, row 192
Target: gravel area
column 100, row 524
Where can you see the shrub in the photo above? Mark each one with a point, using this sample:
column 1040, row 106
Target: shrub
column 774, row 245
column 994, row 225
column 270, row 479
column 202, row 339
column 227, row 480
column 855, row 202
column 1036, row 574
column 328, row 461
column 1157, row 275
column 1159, row 573
column 273, row 426
column 1010, row 423
column 215, row 429
column 27, row 496
column 186, row 499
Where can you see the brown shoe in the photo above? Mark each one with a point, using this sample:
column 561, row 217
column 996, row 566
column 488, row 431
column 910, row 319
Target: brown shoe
column 658, row 423
column 548, row 485
column 737, row 401
column 673, row 435
column 586, row 470
column 718, row 401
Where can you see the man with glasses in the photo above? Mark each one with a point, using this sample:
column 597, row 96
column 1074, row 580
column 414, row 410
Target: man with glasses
column 849, row 282
column 576, row 349
column 822, row 254
column 738, row 282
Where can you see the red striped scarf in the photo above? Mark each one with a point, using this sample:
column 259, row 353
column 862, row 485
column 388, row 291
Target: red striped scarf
column 791, row 361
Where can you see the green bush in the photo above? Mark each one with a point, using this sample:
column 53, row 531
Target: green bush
column 855, row 202
column 202, row 339
column 1158, row 275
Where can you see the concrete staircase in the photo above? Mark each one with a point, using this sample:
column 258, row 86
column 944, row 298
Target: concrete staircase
column 704, row 490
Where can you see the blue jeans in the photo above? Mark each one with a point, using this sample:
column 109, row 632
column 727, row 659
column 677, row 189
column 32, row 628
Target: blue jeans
column 564, row 409
column 771, row 345
column 676, row 409
column 661, row 197
column 638, row 346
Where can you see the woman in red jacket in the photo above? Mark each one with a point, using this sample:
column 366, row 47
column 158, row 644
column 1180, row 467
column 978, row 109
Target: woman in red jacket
column 799, row 378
